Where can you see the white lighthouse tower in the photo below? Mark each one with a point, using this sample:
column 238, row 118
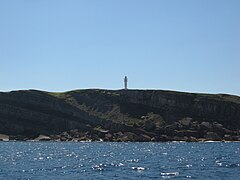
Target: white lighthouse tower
column 125, row 82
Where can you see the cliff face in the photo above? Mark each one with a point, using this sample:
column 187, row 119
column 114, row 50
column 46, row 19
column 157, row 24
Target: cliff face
column 36, row 112
column 173, row 106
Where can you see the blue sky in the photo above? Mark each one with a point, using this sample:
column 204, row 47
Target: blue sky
column 182, row 45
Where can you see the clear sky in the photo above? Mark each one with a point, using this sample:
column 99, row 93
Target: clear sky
column 59, row 45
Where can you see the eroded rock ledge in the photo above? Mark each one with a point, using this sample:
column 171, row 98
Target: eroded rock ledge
column 184, row 130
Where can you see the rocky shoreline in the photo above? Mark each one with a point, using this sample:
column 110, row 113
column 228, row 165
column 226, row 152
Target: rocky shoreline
column 185, row 130
column 118, row 116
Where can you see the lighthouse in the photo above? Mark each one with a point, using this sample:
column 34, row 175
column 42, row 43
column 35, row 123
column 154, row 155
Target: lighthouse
column 125, row 82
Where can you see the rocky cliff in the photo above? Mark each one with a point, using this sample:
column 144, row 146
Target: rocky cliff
column 152, row 113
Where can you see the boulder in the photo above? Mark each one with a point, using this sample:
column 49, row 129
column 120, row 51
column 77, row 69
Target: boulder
column 118, row 134
column 4, row 137
column 108, row 135
column 212, row 136
column 149, row 125
column 238, row 138
column 218, row 128
column 63, row 139
column 55, row 137
column 157, row 119
column 94, row 137
column 130, row 136
column 227, row 131
column 144, row 117
column 42, row 138
column 153, row 139
column 185, row 121
column 65, row 134
column 172, row 126
column 127, row 136
column 205, row 126
column 107, row 124
column 177, row 138
column 73, row 133
column 145, row 138
column 228, row 137
column 18, row 137
column 187, row 133
column 216, row 125
column 194, row 125
column 100, row 132
column 192, row 139
column 170, row 129
column 235, row 138
column 76, row 139
column 164, row 138
column 84, row 138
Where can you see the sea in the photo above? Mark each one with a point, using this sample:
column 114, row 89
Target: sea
column 116, row 160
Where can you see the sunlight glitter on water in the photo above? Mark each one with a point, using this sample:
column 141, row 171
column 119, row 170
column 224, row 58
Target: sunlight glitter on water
column 109, row 160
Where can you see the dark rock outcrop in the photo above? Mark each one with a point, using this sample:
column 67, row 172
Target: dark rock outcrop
column 140, row 115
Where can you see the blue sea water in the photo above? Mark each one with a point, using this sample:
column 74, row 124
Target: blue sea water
column 107, row 160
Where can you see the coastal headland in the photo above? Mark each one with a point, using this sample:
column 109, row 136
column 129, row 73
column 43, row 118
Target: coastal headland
column 118, row 115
